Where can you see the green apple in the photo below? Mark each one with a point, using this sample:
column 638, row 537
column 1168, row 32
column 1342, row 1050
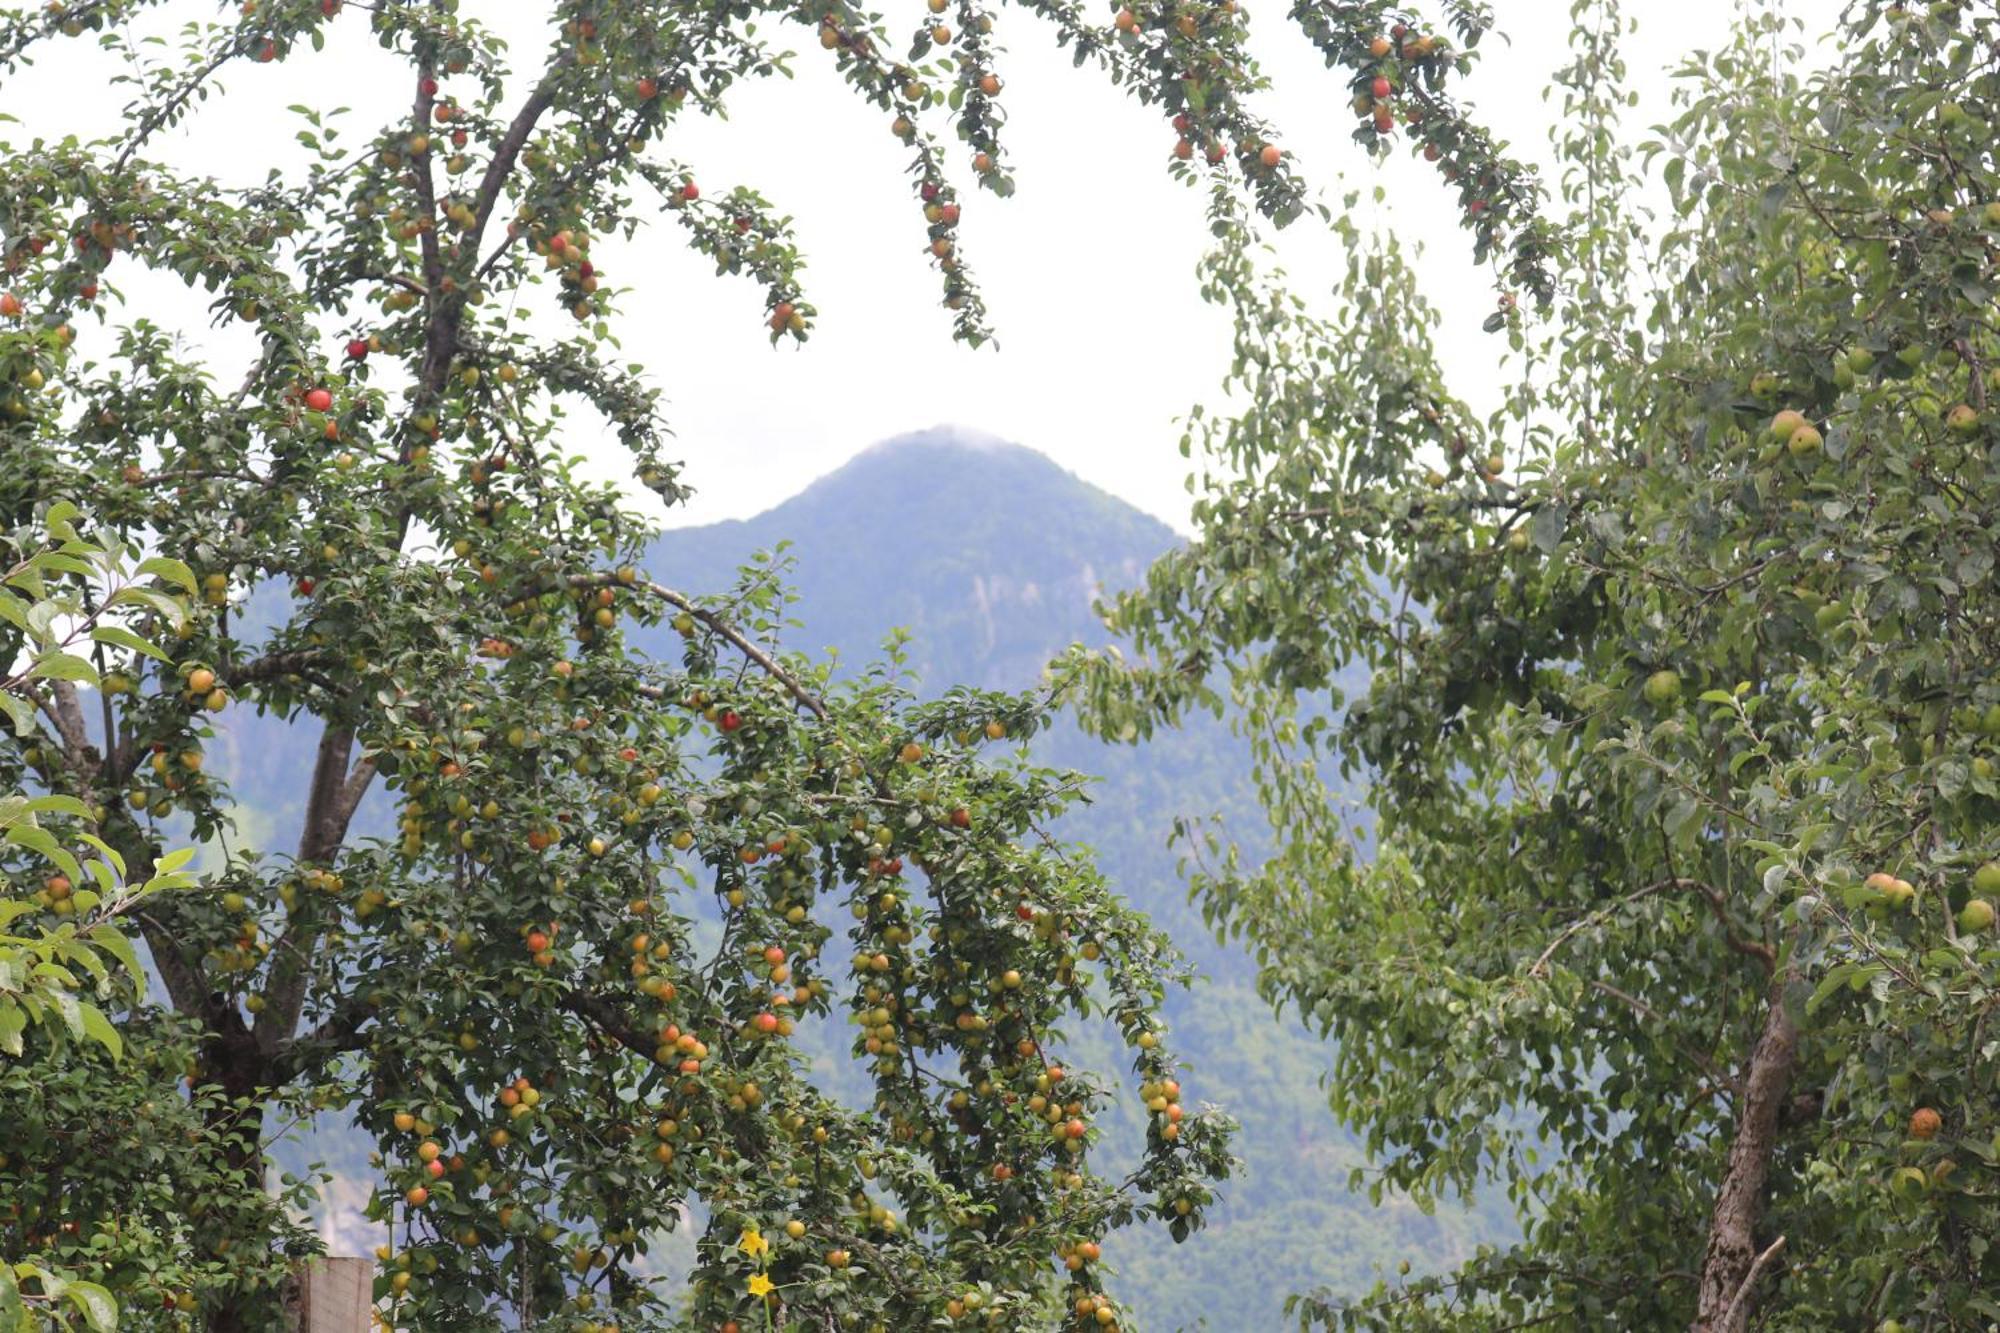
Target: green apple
column 1786, row 422
column 1662, row 688
column 1962, row 420
column 1986, row 879
column 1804, row 442
column 1975, row 916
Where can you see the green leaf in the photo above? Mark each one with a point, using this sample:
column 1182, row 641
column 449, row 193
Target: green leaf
column 98, row 1027
column 120, row 637
column 109, row 939
column 19, row 713
column 99, row 1310
column 1828, row 984
column 169, row 569
column 36, row 839
column 69, row 1008
column 63, row 666
column 56, row 805
column 13, row 1022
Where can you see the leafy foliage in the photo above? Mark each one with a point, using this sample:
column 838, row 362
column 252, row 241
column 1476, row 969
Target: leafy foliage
column 1678, row 739
column 78, row 1124
column 556, row 1050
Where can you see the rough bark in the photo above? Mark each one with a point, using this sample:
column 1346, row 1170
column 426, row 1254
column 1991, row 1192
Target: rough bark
column 335, row 795
column 1729, row 1266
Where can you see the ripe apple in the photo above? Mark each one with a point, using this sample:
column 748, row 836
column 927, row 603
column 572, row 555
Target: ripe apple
column 319, row 400
column 1785, row 423
column 1925, row 1123
column 1270, row 156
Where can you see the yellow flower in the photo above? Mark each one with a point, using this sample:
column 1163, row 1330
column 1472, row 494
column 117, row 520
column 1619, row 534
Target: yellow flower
column 760, row 1285
column 753, row 1242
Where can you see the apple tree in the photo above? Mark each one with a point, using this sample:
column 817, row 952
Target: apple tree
column 556, row 907
column 1629, row 749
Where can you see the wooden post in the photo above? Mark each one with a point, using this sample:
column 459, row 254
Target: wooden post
column 332, row 1296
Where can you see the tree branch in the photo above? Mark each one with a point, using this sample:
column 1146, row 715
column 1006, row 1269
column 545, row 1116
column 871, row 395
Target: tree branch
column 504, row 157
column 1750, row 948
column 600, row 1014
column 330, row 804
column 66, row 711
column 1737, row 1316
column 271, row 666
column 723, row 629
column 1719, row 1081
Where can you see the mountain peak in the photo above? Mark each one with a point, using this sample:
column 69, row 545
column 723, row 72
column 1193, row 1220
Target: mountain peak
column 948, row 435
column 990, row 553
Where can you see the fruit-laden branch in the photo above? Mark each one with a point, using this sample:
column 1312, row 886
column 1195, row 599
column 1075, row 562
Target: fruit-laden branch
column 502, row 166
column 273, row 665
column 420, row 178
column 1731, row 1263
column 720, row 627
column 602, row 1016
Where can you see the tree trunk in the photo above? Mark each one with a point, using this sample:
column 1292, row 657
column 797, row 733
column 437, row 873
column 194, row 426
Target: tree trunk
column 231, row 1064
column 1733, row 1262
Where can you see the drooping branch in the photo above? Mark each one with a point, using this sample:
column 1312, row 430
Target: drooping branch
column 1709, row 894
column 721, row 628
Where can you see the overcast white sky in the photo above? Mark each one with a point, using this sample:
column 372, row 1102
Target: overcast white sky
column 1088, row 269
